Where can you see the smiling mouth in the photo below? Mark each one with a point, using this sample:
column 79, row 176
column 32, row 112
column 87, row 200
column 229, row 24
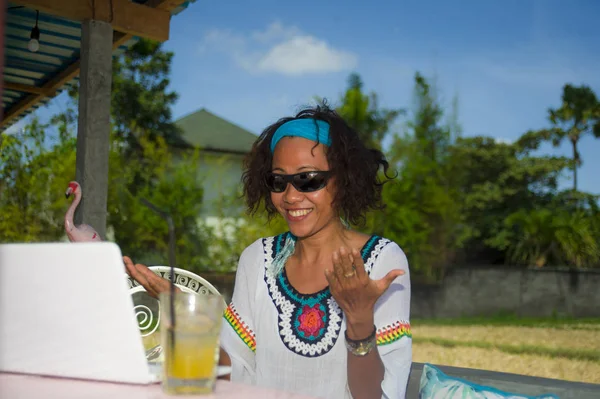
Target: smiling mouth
column 299, row 213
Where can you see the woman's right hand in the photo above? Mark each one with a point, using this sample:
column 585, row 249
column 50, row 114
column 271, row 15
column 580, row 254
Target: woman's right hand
column 153, row 284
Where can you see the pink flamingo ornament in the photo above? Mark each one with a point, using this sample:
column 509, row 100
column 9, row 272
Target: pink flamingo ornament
column 82, row 232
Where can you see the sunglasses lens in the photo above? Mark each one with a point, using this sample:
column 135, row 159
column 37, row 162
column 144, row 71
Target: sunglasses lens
column 276, row 183
column 303, row 182
column 311, row 181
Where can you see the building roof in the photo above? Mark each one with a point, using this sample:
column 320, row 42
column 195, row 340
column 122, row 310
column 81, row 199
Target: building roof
column 32, row 79
column 205, row 130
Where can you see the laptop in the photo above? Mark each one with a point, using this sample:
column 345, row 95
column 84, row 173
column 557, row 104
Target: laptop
column 66, row 311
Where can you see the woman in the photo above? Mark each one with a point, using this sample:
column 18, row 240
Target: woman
column 321, row 310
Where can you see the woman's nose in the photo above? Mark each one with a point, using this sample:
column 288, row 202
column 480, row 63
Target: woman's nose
column 291, row 195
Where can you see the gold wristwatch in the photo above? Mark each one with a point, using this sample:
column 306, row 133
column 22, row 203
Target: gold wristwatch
column 361, row 347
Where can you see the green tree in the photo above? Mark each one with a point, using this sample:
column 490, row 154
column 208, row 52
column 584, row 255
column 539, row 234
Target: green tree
column 433, row 137
column 363, row 113
column 423, row 212
column 236, row 230
column 495, row 180
column 141, row 100
column 144, row 163
column 548, row 236
column 565, row 233
column 141, row 104
column 34, row 173
column 516, row 213
column 148, row 161
column 174, row 188
column 578, row 115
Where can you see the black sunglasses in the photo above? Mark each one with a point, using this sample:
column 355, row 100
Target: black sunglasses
column 304, row 182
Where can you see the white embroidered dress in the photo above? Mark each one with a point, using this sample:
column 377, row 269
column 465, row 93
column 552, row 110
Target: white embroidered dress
column 279, row 338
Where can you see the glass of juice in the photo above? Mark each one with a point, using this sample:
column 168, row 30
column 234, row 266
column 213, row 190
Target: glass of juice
column 190, row 341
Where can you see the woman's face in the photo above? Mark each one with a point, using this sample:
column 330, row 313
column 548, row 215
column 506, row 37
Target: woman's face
column 305, row 213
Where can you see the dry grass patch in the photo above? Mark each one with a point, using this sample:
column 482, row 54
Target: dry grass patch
column 585, row 339
column 495, row 360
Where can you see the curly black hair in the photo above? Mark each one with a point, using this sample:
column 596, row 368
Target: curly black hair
column 354, row 167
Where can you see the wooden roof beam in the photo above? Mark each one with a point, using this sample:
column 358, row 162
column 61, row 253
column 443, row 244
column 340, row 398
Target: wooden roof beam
column 168, row 5
column 73, row 70
column 54, row 84
column 124, row 15
column 23, row 88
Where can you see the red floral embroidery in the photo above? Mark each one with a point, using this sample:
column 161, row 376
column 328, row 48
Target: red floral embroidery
column 311, row 320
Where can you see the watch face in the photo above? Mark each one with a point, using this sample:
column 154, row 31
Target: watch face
column 361, row 349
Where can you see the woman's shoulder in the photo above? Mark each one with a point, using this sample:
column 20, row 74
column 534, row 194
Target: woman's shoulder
column 391, row 245
column 378, row 244
column 386, row 253
column 263, row 245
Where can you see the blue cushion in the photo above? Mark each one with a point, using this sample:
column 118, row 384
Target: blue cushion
column 437, row 385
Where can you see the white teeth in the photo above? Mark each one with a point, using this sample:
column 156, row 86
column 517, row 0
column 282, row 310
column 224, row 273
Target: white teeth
column 299, row 213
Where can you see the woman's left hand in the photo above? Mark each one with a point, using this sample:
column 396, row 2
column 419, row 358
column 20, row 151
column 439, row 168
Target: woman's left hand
column 355, row 292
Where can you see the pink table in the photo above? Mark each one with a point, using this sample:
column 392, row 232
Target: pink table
column 16, row 386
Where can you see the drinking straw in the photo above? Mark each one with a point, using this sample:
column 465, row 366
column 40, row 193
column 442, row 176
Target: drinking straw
column 169, row 219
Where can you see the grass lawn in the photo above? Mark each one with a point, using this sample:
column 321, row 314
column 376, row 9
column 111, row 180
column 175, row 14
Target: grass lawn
column 567, row 349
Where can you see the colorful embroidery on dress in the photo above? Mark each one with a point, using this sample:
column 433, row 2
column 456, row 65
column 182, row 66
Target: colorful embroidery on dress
column 393, row 333
column 311, row 322
column 240, row 328
column 309, row 325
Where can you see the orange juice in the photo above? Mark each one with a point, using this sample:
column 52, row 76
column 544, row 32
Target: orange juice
column 190, row 366
column 189, row 332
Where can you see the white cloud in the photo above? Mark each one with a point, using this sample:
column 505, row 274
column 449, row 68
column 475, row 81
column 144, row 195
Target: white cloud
column 275, row 32
column 305, row 54
column 279, row 49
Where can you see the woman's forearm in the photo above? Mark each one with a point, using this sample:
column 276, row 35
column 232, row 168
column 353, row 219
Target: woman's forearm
column 224, row 360
column 365, row 373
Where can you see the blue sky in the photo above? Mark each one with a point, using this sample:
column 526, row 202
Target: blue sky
column 253, row 62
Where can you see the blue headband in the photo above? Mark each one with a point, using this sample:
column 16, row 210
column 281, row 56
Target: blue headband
column 308, row 128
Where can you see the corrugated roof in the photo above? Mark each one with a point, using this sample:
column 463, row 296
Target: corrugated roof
column 203, row 129
column 59, row 49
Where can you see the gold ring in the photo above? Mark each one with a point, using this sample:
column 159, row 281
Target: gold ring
column 348, row 275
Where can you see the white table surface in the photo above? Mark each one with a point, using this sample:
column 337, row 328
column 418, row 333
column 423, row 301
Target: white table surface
column 18, row 386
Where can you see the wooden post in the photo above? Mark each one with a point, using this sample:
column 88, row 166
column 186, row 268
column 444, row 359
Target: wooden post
column 2, row 21
column 94, row 123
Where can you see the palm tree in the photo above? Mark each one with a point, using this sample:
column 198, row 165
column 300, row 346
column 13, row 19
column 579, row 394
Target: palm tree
column 543, row 236
column 578, row 115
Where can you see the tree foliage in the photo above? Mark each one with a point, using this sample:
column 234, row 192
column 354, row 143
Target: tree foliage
column 363, row 113
column 34, row 173
column 496, row 180
column 423, row 214
column 38, row 164
column 175, row 189
column 141, row 99
column 236, row 230
column 455, row 200
column 475, row 199
column 578, row 115
column 147, row 163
